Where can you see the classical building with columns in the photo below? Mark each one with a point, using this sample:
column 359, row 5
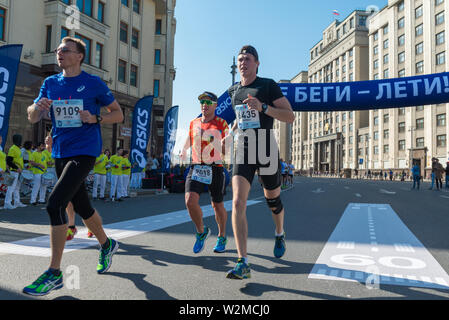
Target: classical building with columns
column 130, row 45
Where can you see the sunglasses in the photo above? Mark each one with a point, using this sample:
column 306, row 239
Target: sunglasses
column 63, row 50
column 207, row 102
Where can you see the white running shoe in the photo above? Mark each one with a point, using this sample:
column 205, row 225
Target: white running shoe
column 20, row 205
column 9, row 206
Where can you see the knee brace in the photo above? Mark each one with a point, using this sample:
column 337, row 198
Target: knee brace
column 275, row 204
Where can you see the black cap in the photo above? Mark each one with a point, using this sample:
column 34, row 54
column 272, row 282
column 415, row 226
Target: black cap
column 251, row 50
column 208, row 94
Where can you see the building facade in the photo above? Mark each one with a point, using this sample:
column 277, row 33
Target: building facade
column 408, row 38
column 327, row 141
column 132, row 54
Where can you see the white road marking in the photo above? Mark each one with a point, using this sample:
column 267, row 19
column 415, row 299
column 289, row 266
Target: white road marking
column 382, row 249
column 40, row 246
column 358, row 195
column 386, row 191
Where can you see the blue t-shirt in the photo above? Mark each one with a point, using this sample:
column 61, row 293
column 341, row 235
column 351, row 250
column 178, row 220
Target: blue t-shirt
column 84, row 140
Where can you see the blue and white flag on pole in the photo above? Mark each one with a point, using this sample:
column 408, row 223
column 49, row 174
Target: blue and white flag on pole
column 9, row 66
column 359, row 95
column 141, row 132
column 170, row 128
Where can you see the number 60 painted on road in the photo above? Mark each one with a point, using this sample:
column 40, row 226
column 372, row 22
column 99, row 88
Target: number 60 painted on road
column 388, row 261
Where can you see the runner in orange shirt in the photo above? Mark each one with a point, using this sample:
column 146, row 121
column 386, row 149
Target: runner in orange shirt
column 206, row 169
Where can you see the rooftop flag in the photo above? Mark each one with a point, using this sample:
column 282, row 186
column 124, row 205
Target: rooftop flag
column 335, row 12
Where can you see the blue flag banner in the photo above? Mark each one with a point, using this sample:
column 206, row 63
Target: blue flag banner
column 9, row 66
column 170, row 128
column 140, row 132
column 359, row 95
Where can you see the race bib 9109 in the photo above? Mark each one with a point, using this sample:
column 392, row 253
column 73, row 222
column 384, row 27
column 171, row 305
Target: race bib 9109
column 247, row 118
column 67, row 113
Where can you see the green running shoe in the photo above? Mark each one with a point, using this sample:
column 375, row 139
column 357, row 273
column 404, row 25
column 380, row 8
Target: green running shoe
column 221, row 244
column 44, row 284
column 105, row 260
column 240, row 271
column 201, row 240
column 279, row 246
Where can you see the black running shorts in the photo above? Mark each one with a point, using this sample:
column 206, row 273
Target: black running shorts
column 216, row 188
column 269, row 182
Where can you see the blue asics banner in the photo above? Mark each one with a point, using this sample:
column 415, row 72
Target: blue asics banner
column 141, row 132
column 361, row 95
column 9, row 65
column 170, row 128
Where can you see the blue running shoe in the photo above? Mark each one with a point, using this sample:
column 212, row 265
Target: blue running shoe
column 44, row 284
column 279, row 246
column 221, row 244
column 241, row 271
column 201, row 240
column 105, row 260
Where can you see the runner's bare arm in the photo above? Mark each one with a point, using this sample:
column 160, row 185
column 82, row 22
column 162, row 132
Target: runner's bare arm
column 282, row 110
column 39, row 110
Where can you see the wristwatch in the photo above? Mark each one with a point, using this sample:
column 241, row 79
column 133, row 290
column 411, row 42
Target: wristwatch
column 99, row 118
column 264, row 108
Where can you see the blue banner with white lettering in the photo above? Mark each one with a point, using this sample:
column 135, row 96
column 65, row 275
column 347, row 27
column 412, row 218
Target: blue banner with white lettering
column 9, row 66
column 170, row 128
column 140, row 132
column 360, row 95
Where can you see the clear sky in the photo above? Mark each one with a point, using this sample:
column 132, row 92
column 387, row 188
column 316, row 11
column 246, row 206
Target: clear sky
column 210, row 32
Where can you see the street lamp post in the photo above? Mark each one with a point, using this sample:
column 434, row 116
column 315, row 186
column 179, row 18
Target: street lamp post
column 233, row 70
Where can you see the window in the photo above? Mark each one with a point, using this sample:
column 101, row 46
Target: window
column 401, row 40
column 157, row 56
column 376, row 150
column 386, row 118
column 88, row 43
column 123, row 32
column 136, row 6
column 419, row 49
column 386, row 134
column 376, row 36
column 376, row 135
column 401, row 57
column 156, row 88
column 401, row 145
column 351, row 23
column 386, row 44
column 441, row 58
column 419, row 30
column 419, row 108
column 441, row 120
column 386, row 58
column 376, row 50
column 386, row 148
column 385, row 30
column 362, row 21
column 64, row 32
column 2, row 24
column 125, row 3
column 158, row 26
column 420, row 142
column 376, row 121
column 100, row 13
column 351, row 64
column 85, row 6
column 133, row 75
column 99, row 56
column 48, row 39
column 386, row 74
column 441, row 140
column 376, row 64
column 135, row 38
column 401, row 73
column 401, row 127
column 401, row 6
column 420, row 123
column 401, row 23
column 439, row 38
column 437, row 2
column 418, row 12
column 439, row 18
column 420, row 67
column 122, row 71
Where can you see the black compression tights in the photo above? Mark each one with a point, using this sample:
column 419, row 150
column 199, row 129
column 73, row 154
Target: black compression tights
column 71, row 173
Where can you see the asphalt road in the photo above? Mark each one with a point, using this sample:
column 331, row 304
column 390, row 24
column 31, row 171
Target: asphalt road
column 155, row 260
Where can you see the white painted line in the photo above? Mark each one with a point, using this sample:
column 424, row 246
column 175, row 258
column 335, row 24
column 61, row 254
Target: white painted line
column 386, row 191
column 40, row 246
column 358, row 195
column 393, row 251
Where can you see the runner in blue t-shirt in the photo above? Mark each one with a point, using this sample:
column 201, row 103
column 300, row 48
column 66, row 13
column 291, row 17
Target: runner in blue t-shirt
column 72, row 100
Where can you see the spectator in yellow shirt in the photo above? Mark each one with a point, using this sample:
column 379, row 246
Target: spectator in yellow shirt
column 116, row 173
column 15, row 163
column 38, row 165
column 100, row 174
column 126, row 172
